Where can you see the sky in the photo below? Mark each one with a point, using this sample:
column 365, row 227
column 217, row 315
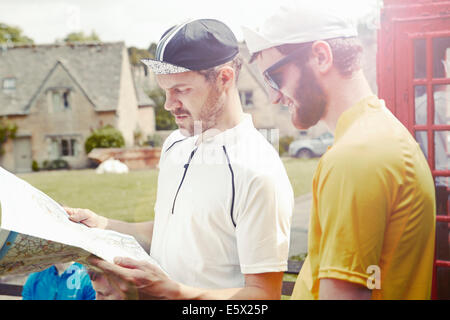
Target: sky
column 139, row 22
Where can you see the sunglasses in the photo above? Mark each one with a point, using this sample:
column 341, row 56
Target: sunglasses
column 269, row 73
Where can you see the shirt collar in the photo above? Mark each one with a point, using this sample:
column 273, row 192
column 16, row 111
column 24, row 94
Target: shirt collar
column 349, row 116
column 230, row 136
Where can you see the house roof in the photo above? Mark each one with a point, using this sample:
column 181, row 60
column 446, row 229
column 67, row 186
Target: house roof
column 95, row 67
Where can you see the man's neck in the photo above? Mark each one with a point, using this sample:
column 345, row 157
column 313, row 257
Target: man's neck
column 230, row 118
column 61, row 267
column 343, row 94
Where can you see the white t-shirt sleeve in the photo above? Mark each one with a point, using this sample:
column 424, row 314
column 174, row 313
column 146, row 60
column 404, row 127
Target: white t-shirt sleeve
column 263, row 225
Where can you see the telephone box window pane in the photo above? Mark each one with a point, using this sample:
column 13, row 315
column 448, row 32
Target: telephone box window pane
column 441, row 57
column 441, row 96
column 442, row 195
column 442, row 228
column 421, row 137
column 420, row 58
column 420, row 102
column 441, row 150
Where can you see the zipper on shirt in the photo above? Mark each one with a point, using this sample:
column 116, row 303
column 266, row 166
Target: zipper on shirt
column 186, row 166
column 232, row 185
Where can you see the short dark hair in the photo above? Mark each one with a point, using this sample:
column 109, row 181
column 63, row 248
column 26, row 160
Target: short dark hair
column 347, row 53
column 211, row 73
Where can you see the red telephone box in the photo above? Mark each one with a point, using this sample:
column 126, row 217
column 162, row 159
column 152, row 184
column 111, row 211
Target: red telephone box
column 413, row 77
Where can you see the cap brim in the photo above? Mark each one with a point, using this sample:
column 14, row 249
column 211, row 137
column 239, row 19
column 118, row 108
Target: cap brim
column 161, row 67
column 255, row 41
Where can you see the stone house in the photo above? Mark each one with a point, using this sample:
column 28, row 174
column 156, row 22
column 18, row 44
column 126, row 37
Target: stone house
column 58, row 93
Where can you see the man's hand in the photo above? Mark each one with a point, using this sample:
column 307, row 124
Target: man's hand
column 131, row 279
column 87, row 217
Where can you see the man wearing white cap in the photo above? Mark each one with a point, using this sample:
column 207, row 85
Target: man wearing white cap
column 372, row 225
column 224, row 201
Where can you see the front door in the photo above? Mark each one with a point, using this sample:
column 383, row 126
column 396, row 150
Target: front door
column 22, row 154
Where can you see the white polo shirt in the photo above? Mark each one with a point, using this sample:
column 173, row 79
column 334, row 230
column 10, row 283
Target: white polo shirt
column 223, row 208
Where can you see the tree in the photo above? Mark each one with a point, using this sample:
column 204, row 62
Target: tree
column 13, row 34
column 136, row 55
column 8, row 131
column 163, row 118
column 81, row 37
column 152, row 49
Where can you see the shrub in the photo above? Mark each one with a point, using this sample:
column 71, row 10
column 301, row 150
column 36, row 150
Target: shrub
column 34, row 166
column 284, row 143
column 105, row 137
column 57, row 164
column 154, row 140
column 163, row 118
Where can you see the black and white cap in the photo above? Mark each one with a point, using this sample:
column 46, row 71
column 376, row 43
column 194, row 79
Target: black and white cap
column 193, row 46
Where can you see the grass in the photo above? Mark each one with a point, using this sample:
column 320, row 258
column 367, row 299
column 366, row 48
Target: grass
column 128, row 197
column 300, row 173
column 131, row 197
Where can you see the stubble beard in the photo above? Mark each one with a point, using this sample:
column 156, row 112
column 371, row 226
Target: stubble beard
column 210, row 112
column 310, row 99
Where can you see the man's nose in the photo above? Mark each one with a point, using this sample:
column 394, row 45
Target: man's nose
column 275, row 96
column 171, row 103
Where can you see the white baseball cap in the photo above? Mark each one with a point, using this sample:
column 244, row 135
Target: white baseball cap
column 300, row 21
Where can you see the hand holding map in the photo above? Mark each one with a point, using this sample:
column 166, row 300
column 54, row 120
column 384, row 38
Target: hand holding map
column 36, row 232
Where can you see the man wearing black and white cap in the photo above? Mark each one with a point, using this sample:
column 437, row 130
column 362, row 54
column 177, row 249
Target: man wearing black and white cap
column 371, row 232
column 224, row 201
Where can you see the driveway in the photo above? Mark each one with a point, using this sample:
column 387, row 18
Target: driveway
column 299, row 226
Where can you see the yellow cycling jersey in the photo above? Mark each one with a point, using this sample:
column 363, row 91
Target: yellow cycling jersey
column 373, row 214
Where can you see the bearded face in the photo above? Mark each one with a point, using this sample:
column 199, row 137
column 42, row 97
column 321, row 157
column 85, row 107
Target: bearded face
column 291, row 81
column 196, row 103
column 209, row 113
column 310, row 100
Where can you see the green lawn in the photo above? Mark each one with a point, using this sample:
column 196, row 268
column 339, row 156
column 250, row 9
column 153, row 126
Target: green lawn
column 300, row 173
column 128, row 197
column 131, row 197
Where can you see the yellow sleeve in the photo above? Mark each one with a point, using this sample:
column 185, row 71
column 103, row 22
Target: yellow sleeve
column 353, row 195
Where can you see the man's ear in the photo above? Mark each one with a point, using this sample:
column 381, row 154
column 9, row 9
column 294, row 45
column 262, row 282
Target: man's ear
column 225, row 78
column 322, row 56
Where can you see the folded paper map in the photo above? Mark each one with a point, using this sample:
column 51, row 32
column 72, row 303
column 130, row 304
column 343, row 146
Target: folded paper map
column 35, row 232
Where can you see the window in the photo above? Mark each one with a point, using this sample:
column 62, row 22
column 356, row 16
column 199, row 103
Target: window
column 303, row 133
column 60, row 100
column 246, row 98
column 420, row 58
column 9, row 84
column 64, row 147
column 68, row 147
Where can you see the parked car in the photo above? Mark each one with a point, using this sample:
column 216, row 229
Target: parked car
column 308, row 148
